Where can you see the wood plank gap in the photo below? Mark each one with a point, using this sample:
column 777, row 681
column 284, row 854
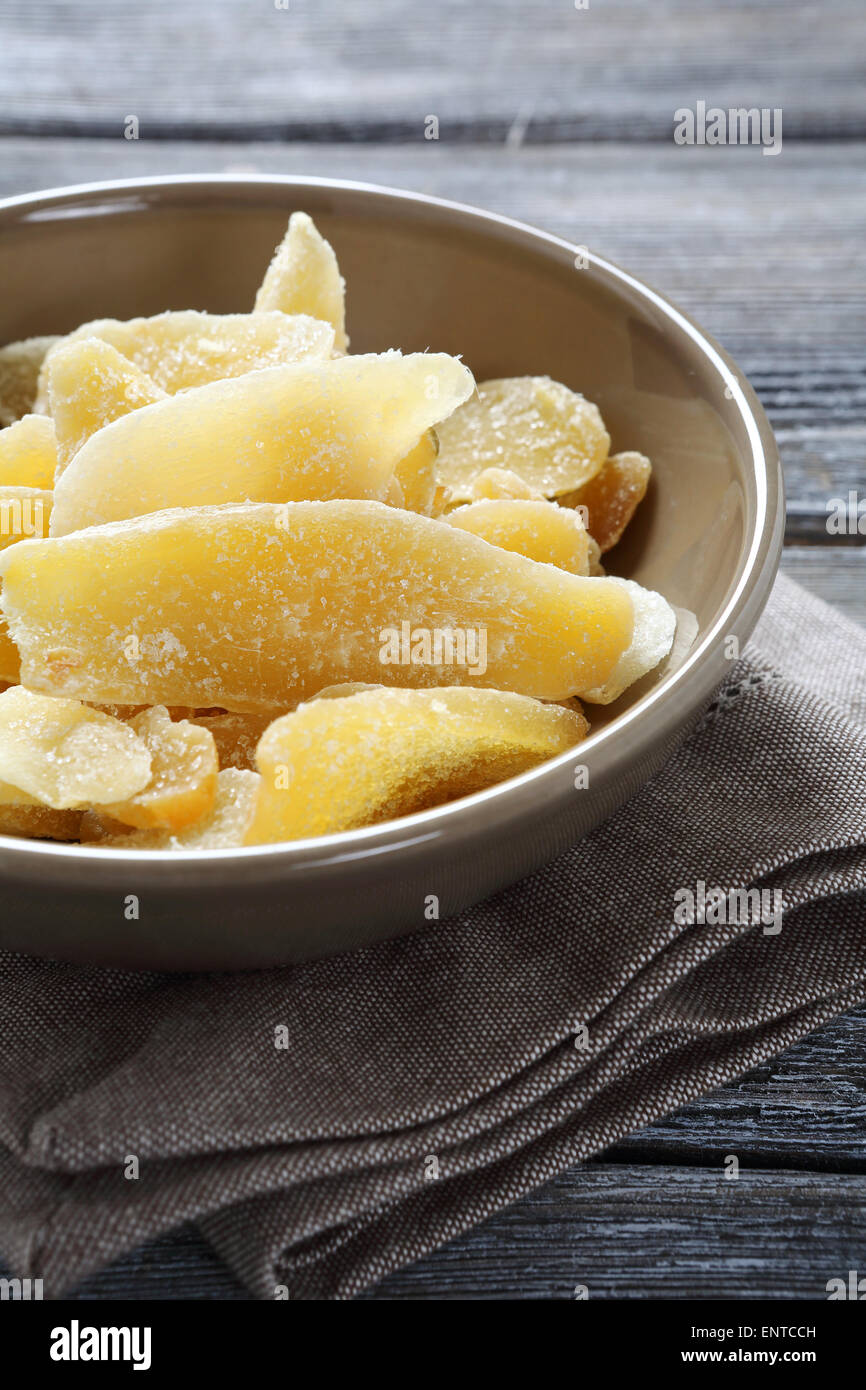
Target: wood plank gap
column 540, row 131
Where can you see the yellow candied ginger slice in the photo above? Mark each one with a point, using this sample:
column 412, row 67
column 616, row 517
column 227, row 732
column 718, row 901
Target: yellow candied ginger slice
column 223, row 827
column 62, row 754
column 540, row 530
column 184, row 348
column 10, row 663
column 40, row 823
column 551, row 437
column 25, row 513
column 494, row 483
column 255, row 607
column 416, row 475
column 655, row 625
column 20, row 364
column 611, row 498
column 89, row 385
column 304, row 431
column 28, row 453
column 183, row 775
column 390, row 753
column 304, row 278
column 339, row 692
column 235, row 736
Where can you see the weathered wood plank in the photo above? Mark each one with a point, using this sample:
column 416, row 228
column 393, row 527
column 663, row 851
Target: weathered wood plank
column 806, row 1109
column 615, row 69
column 766, row 254
column 835, row 573
column 622, row 1231
column 180, row 1265
column 655, row 1232
column 822, row 467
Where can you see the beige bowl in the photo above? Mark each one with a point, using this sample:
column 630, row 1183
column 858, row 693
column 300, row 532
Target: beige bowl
column 421, row 273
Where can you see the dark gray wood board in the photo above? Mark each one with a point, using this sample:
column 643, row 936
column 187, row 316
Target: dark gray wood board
column 620, row 1230
column 352, row 69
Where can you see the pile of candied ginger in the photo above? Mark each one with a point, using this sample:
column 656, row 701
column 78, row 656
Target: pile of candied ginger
column 256, row 588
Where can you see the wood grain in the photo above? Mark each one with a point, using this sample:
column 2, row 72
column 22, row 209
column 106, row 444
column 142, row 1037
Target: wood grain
column 806, row 1108
column 620, row 1230
column 352, row 70
column 656, row 1232
column 836, row 574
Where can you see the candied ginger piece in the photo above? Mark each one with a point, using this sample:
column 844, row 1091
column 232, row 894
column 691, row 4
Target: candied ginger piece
column 551, row 437
column 304, row 278
column 62, row 754
column 184, row 348
column 10, row 663
column 596, row 568
column 655, row 624
column 89, row 384
column 416, row 474
column 612, row 496
column 20, row 364
column 235, row 736
column 183, row 775
column 493, row 483
column 39, row 823
column 540, row 530
column 24, row 514
column 393, row 752
column 223, row 827
column 254, row 607
column 339, row 692
column 28, row 453
column 304, row 431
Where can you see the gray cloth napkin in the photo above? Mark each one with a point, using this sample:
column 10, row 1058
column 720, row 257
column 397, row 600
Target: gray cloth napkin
column 430, row 1081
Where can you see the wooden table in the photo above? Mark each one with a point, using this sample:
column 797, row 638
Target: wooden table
column 562, row 117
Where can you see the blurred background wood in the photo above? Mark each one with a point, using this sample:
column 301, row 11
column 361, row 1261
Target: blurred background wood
column 563, row 117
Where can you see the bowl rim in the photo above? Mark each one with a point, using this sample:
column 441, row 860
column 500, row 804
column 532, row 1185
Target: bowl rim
column 700, row 672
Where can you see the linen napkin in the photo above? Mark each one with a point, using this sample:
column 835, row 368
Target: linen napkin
column 328, row 1122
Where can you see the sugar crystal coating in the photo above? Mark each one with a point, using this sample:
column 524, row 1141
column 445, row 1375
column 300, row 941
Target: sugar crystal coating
column 540, row 530
column 304, row 278
column 89, row 384
column 62, row 754
column 28, row 453
column 307, row 430
column 254, row 607
column 655, row 624
column 264, row 578
column 183, row 774
column 184, row 348
column 501, row 482
column 20, row 364
column 612, row 496
column 549, row 436
column 339, row 764
column 223, row 827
